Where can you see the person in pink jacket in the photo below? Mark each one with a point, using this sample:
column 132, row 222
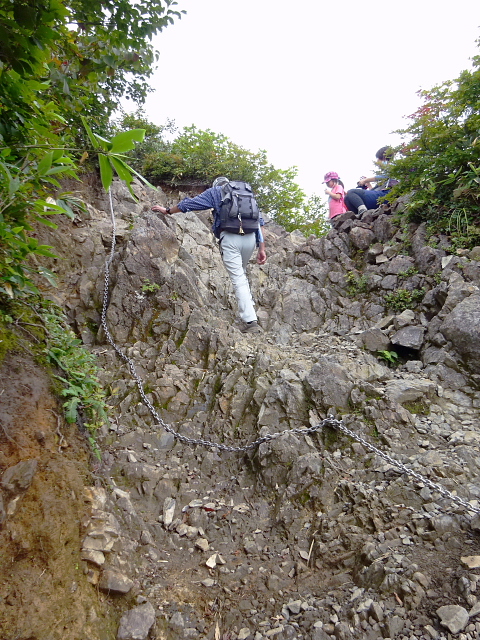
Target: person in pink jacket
column 336, row 194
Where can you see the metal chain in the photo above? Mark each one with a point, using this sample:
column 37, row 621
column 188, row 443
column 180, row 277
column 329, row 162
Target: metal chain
column 330, row 421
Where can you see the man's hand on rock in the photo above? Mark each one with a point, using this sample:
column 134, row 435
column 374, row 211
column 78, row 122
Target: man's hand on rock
column 157, row 208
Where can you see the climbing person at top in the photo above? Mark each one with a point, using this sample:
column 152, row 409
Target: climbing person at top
column 366, row 196
column 336, row 194
column 238, row 227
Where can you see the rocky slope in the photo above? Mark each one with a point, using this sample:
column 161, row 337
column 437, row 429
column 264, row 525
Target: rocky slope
column 315, row 535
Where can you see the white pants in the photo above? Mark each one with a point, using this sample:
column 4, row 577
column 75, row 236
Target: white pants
column 236, row 251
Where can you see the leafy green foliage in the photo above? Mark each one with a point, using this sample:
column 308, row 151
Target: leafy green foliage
column 390, row 357
column 24, row 200
column 356, row 284
column 402, row 299
column 52, row 341
column 111, row 153
column 438, row 165
column 167, row 155
column 411, row 271
column 81, row 54
column 83, row 391
column 61, row 61
column 149, row 287
column 204, row 155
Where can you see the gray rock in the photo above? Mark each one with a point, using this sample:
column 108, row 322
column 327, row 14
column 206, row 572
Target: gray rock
column 208, row 380
column 385, row 322
column 458, row 290
column 429, row 260
column 114, row 581
column 475, row 522
column 474, row 253
column 383, row 228
column 394, row 625
column 342, row 632
column 373, row 252
column 389, row 282
column 361, row 238
column 177, row 621
column 445, row 523
column 403, row 319
column 17, row 479
column 136, row 623
column 433, row 633
column 398, row 265
column 95, row 557
column 462, row 328
column 414, row 366
column 168, row 511
column 454, row 617
column 373, row 340
column 409, row 390
column 319, row 634
column 376, row 612
column 329, row 383
column 410, row 337
column 295, row 606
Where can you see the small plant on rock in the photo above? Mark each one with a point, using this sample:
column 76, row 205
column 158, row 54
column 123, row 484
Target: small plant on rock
column 356, row 284
column 390, row 357
column 403, row 299
column 83, row 391
column 411, row 271
column 149, row 287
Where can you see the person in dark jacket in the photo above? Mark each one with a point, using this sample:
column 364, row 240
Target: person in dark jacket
column 365, row 196
column 236, row 248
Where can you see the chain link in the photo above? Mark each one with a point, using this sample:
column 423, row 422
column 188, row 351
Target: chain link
column 330, row 421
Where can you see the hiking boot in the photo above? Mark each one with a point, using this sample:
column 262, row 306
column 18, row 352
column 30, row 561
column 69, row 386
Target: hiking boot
column 361, row 210
column 251, row 327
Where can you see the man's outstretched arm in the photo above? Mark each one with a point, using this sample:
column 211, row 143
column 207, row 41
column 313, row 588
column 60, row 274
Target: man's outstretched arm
column 166, row 210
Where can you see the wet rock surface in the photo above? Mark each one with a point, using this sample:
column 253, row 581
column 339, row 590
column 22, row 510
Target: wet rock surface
column 309, row 535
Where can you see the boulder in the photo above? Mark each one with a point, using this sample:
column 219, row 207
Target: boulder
column 329, row 384
column 361, row 238
column 17, row 479
column 402, row 391
column 372, row 340
column 409, row 337
column 454, row 617
column 403, row 319
column 462, row 328
column 115, row 581
column 383, row 228
column 398, row 265
column 136, row 623
column 474, row 253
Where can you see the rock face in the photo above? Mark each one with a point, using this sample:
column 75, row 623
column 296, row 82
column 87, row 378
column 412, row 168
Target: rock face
column 136, row 623
column 311, row 534
column 462, row 327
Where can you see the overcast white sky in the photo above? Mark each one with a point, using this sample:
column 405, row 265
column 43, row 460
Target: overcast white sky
column 320, row 85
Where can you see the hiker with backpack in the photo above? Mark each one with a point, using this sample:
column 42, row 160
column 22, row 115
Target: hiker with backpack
column 237, row 225
column 365, row 197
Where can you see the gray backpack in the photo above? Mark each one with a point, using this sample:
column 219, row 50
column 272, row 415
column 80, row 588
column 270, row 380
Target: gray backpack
column 239, row 211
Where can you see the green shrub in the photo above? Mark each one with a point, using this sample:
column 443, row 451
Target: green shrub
column 356, row 284
column 438, row 164
column 390, row 357
column 402, row 299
